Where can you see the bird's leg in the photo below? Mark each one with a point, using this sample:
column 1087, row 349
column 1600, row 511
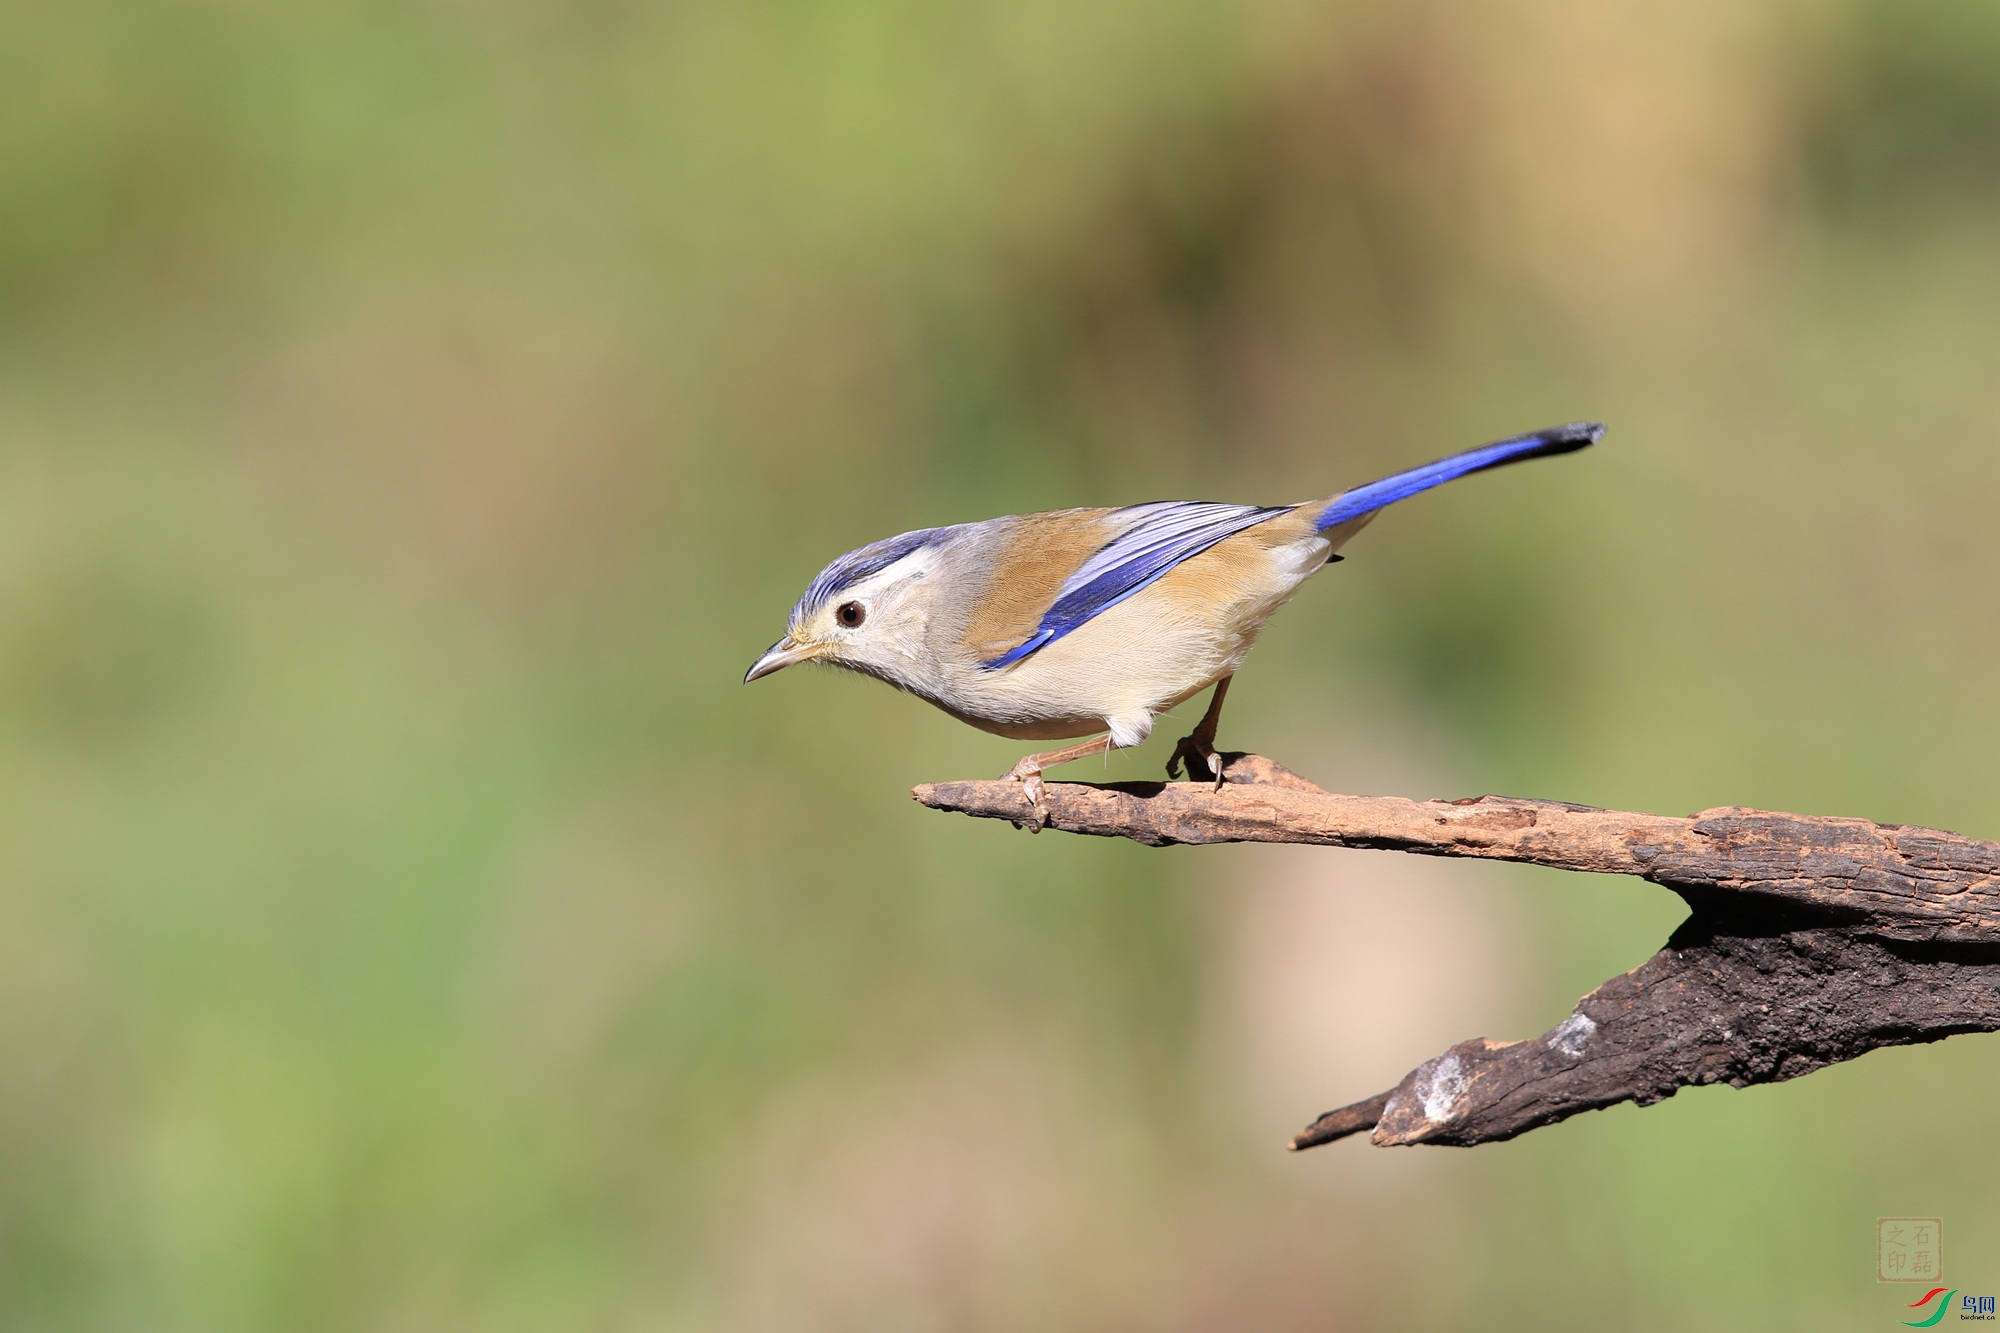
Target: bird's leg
column 1029, row 772
column 1199, row 744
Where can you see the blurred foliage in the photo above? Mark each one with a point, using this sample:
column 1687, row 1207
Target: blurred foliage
column 414, row 416
column 1909, row 111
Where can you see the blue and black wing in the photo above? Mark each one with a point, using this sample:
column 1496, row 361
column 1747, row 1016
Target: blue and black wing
column 1156, row 538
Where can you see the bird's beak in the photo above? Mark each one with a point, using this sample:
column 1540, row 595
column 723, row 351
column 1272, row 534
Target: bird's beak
column 781, row 655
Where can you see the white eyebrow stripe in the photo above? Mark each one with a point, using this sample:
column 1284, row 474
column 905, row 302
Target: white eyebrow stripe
column 916, row 565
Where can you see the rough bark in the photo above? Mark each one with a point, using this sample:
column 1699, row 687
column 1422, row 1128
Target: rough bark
column 1811, row 940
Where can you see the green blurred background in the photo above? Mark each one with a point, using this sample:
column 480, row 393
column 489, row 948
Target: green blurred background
column 414, row 417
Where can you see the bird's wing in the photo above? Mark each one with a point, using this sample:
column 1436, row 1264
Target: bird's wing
column 1146, row 541
column 1154, row 538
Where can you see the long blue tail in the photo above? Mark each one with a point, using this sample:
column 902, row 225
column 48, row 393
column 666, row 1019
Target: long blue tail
column 1363, row 500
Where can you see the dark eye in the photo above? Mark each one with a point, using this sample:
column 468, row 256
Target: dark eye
column 852, row 614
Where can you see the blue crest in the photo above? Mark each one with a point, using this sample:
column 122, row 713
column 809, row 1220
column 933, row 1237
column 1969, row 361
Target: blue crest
column 857, row 565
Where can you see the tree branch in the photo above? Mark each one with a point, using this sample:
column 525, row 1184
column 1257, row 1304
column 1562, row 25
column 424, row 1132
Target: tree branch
column 1811, row 940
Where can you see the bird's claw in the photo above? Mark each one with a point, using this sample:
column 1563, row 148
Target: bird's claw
column 1031, row 787
column 1197, row 753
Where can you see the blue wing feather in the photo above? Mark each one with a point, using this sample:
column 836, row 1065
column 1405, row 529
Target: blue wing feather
column 1157, row 537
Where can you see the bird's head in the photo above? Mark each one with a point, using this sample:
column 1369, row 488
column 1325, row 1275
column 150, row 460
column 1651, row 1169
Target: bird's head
column 866, row 611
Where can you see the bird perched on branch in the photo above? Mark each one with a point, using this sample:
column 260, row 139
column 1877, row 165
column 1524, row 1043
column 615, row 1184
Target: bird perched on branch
column 1080, row 621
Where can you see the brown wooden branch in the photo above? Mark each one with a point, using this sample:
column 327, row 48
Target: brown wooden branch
column 1811, row 940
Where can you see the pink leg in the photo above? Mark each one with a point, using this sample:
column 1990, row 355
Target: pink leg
column 1200, row 743
column 1028, row 772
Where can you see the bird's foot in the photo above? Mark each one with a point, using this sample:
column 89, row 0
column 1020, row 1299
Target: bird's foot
column 1028, row 772
column 1198, row 753
column 1029, row 775
column 1197, row 748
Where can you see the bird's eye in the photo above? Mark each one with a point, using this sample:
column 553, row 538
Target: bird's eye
column 852, row 614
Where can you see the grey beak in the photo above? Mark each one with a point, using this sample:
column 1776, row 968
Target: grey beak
column 781, row 655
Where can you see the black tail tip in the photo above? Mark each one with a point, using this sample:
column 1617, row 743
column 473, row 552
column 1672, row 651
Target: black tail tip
column 1571, row 437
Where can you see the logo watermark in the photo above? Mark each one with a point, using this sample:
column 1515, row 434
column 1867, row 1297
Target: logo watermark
column 1969, row 1308
column 1909, row 1249
column 1943, row 1308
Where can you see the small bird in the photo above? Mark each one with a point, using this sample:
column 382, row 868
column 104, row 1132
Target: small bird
column 1085, row 621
